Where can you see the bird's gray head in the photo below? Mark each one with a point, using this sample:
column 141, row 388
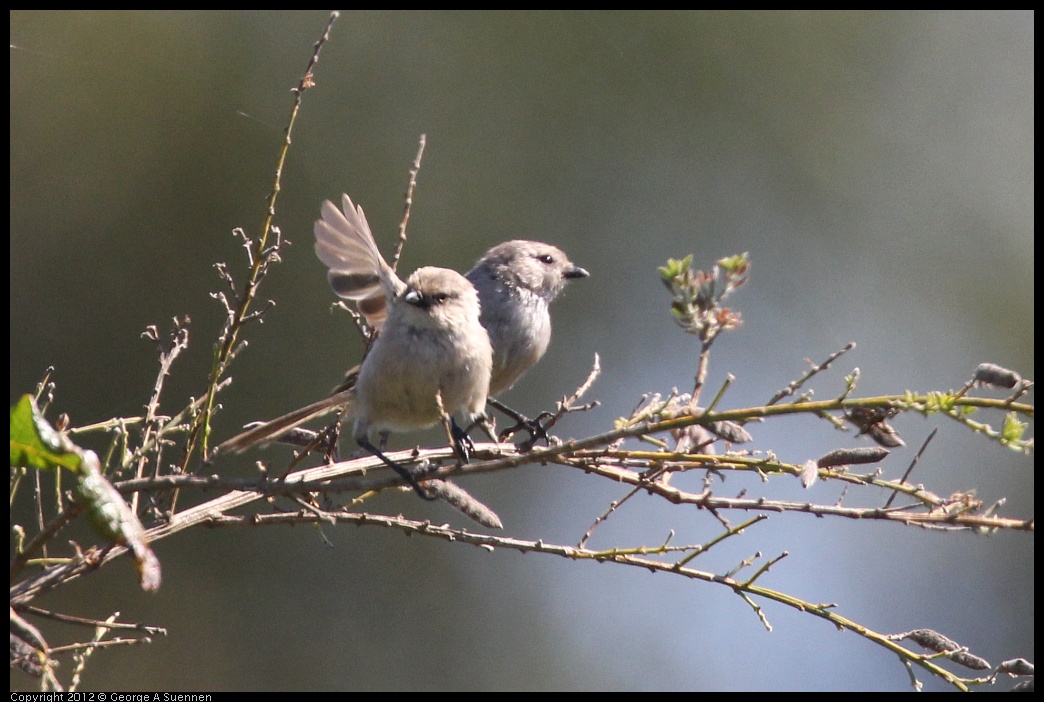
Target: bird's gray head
column 441, row 295
column 530, row 265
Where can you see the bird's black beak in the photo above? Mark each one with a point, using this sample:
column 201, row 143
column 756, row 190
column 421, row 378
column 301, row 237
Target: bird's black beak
column 576, row 272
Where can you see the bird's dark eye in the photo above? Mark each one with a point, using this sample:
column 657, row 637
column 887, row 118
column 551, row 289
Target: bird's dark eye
column 439, row 297
column 546, row 258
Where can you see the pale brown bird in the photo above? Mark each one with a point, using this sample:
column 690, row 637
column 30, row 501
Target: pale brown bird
column 431, row 343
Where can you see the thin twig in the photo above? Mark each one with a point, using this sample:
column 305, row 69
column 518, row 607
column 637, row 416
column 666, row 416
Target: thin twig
column 201, row 425
column 910, row 468
column 178, row 342
column 414, row 170
column 796, row 384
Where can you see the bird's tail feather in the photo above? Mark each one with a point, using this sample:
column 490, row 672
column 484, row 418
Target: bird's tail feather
column 273, row 429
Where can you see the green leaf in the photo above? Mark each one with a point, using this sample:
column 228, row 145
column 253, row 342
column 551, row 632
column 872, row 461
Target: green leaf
column 675, row 268
column 35, row 443
column 1013, row 429
column 113, row 518
column 737, row 264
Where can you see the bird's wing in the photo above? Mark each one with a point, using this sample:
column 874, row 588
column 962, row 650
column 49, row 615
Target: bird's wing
column 358, row 272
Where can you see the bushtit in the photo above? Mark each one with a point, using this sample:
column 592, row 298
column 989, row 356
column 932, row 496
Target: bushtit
column 431, row 345
column 516, row 283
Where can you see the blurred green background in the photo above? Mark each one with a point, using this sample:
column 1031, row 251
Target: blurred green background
column 877, row 166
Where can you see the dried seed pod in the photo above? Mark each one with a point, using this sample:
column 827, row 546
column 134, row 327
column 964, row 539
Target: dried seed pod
column 969, row 660
column 872, row 422
column 1016, row 666
column 730, row 431
column 932, row 640
column 853, row 456
column 997, row 376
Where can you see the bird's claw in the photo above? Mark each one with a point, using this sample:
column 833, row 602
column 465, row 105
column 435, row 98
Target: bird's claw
column 537, row 431
column 463, row 446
